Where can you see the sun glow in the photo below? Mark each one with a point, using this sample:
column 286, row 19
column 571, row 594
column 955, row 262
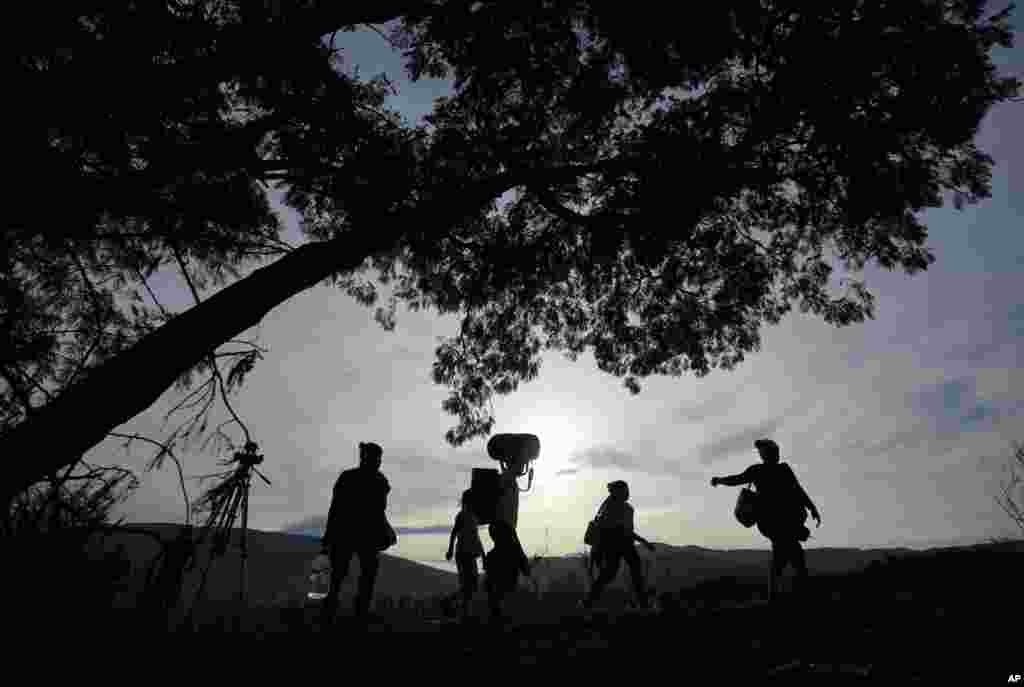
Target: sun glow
column 562, row 434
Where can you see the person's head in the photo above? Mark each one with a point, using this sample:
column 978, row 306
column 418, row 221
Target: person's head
column 768, row 449
column 369, row 455
column 467, row 497
column 619, row 490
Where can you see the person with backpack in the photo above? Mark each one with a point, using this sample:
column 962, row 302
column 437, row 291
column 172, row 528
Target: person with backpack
column 357, row 525
column 782, row 506
column 615, row 539
column 466, row 545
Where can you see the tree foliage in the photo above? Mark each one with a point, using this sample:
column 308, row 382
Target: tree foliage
column 690, row 181
column 676, row 185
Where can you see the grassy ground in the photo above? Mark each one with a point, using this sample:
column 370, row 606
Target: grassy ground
column 883, row 640
column 924, row 618
column 830, row 638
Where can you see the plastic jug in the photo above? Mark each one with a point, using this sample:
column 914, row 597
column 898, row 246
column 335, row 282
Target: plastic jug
column 319, row 578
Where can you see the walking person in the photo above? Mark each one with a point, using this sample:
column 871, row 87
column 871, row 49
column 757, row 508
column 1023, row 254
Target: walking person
column 465, row 544
column 615, row 543
column 357, row 525
column 782, row 506
column 504, row 562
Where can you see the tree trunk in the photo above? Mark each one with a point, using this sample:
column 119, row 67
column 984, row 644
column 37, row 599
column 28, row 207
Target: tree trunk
column 115, row 392
column 110, row 395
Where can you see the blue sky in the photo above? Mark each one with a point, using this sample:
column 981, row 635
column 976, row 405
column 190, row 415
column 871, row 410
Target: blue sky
column 897, row 427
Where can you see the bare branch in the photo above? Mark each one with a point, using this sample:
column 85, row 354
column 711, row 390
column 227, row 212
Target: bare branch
column 1012, row 504
column 165, row 449
column 186, row 402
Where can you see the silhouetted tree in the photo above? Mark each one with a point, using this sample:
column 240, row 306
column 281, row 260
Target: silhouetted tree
column 677, row 184
column 52, row 535
column 1011, row 490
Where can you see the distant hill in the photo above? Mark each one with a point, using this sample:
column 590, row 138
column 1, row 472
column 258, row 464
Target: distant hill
column 279, row 566
column 681, row 567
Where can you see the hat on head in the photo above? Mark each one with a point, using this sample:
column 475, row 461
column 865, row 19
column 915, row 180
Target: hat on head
column 617, row 484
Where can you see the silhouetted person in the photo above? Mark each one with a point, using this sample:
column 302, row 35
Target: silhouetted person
column 502, row 566
column 506, row 560
column 782, row 506
column 617, row 534
column 357, row 524
column 465, row 543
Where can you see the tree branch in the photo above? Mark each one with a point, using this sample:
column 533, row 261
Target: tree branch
column 165, row 449
column 190, row 336
column 551, row 203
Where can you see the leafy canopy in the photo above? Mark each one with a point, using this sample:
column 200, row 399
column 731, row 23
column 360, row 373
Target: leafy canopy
column 675, row 184
column 689, row 181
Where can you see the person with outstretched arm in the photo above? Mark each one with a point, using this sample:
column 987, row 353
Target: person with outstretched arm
column 782, row 506
column 616, row 538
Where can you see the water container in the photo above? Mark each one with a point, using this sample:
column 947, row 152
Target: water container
column 517, row 449
column 319, row 578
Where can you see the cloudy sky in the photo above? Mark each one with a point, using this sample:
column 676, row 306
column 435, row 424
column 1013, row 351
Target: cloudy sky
column 897, row 427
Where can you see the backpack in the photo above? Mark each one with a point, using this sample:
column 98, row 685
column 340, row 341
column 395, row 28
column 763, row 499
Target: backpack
column 592, row 537
column 388, row 537
column 484, row 494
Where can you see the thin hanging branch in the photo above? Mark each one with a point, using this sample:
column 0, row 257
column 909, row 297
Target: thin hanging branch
column 165, row 450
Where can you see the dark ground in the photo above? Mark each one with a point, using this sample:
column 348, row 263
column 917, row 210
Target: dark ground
column 894, row 624
column 939, row 615
column 894, row 640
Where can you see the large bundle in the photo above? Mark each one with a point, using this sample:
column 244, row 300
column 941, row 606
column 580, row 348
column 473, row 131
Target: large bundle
column 485, row 491
column 517, row 449
column 746, row 508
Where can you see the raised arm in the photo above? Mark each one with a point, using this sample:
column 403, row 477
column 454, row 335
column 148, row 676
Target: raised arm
column 745, row 477
column 806, row 500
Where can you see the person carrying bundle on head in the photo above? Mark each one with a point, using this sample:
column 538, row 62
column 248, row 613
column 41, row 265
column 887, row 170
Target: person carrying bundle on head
column 504, row 563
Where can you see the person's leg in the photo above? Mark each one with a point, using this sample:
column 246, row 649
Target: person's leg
column 777, row 566
column 506, row 538
column 460, row 567
column 340, row 558
column 369, row 562
column 521, row 560
column 636, row 575
column 467, row 580
column 495, row 593
column 491, row 582
column 799, row 560
column 610, row 561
